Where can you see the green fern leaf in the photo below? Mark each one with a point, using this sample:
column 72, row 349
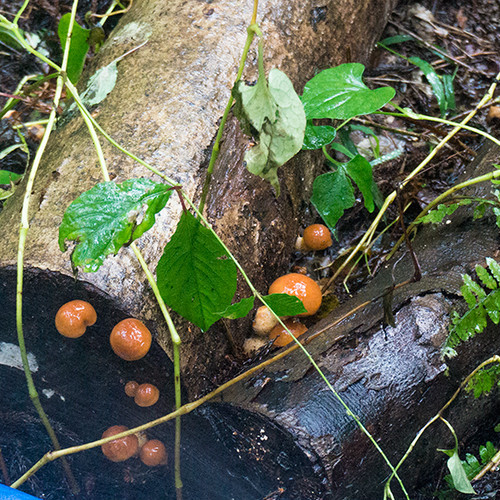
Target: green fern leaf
column 483, row 300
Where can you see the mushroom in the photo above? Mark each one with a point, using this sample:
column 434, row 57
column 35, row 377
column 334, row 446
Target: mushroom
column 264, row 321
column 131, row 388
column 316, row 237
column 119, row 449
column 252, row 345
column 130, row 339
column 146, row 395
column 302, row 287
column 153, row 453
column 73, row 318
column 282, row 337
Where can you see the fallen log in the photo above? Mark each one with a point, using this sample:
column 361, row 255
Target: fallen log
column 165, row 108
column 392, row 378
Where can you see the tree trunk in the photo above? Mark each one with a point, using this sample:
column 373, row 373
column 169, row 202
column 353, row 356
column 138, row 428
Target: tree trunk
column 165, row 108
column 393, row 379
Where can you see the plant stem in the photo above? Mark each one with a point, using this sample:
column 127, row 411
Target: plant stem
column 300, row 346
column 493, row 359
column 416, row 116
column 20, row 12
column 373, row 227
column 252, row 30
column 495, row 174
column 23, row 232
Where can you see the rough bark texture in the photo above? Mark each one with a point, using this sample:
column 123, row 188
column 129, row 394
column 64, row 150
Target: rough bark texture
column 393, row 378
column 165, row 108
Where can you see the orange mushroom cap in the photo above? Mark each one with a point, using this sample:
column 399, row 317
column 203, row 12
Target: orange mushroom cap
column 153, row 453
column 130, row 339
column 131, row 388
column 317, row 237
column 302, row 287
column 282, row 337
column 119, row 449
column 73, row 318
column 146, row 395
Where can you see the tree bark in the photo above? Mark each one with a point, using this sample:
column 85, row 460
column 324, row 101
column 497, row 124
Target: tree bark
column 165, row 108
column 393, row 379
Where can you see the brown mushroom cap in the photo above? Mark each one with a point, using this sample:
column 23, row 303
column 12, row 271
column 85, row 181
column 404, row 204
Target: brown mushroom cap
column 303, row 287
column 146, row 395
column 153, row 453
column 282, row 337
column 73, row 318
column 317, row 237
column 119, row 449
column 131, row 388
column 130, row 339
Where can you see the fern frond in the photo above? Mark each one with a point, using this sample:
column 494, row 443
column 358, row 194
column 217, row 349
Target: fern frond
column 483, row 298
column 484, row 380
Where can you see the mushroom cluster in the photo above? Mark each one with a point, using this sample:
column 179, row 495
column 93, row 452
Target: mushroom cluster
column 266, row 324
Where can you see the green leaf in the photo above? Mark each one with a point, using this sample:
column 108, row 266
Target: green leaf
column 276, row 115
column 444, row 99
column 317, row 136
column 460, row 480
column 78, row 48
column 7, row 177
column 457, row 471
column 333, row 192
column 238, row 310
column 360, row 171
column 196, row 277
column 109, row 216
column 391, row 40
column 7, row 37
column 339, row 93
column 284, row 305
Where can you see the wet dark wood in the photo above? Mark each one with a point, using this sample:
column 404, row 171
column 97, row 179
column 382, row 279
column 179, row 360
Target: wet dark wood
column 165, row 108
column 393, row 379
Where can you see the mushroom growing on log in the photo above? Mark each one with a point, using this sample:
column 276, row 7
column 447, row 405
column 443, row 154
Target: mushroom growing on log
column 392, row 378
column 165, row 108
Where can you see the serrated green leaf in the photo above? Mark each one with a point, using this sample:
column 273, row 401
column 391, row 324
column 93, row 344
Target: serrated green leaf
column 7, row 177
column 460, row 480
column 284, row 305
column 109, row 216
column 238, row 310
column 276, row 114
column 79, row 46
column 494, row 268
column 339, row 93
column 317, row 136
column 196, row 277
column 486, row 278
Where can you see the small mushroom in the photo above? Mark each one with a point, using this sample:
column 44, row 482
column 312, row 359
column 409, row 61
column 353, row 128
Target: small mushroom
column 153, row 453
column 316, row 237
column 131, row 388
column 282, row 337
column 302, row 287
column 73, row 318
column 130, row 339
column 146, row 395
column 264, row 321
column 119, row 449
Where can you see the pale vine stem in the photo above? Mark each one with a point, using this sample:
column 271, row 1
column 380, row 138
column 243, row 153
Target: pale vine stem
column 439, row 414
column 365, row 240
column 89, row 120
column 23, row 233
